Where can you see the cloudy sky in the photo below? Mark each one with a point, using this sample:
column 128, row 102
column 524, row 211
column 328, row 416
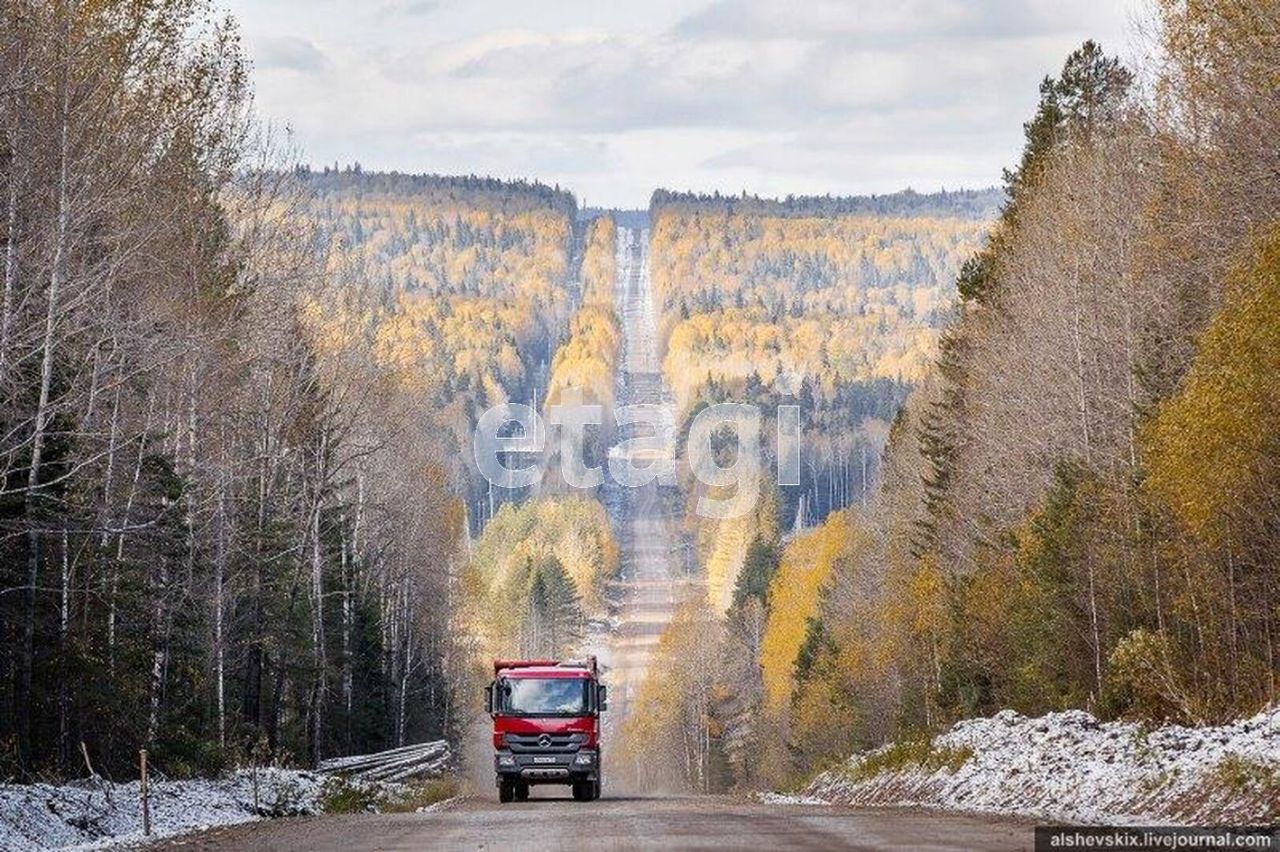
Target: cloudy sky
column 613, row 99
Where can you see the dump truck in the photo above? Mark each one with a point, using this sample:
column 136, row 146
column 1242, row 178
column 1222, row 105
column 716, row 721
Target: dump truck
column 546, row 726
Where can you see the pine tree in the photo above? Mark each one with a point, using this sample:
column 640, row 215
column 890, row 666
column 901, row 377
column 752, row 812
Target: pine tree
column 553, row 618
column 757, row 572
column 1084, row 98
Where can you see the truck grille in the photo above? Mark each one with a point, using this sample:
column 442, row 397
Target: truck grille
column 541, row 743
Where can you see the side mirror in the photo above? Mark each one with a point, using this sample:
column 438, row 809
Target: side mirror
column 602, row 698
column 488, row 700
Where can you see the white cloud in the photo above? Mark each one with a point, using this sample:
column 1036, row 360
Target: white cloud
column 407, row 8
column 768, row 95
column 873, row 22
column 289, row 53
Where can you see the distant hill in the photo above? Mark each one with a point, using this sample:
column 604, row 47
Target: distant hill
column 977, row 204
column 508, row 196
column 459, row 286
column 831, row 302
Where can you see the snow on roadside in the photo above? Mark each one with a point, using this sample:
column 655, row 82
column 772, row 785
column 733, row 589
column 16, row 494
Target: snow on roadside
column 96, row 813
column 788, row 799
column 1069, row 766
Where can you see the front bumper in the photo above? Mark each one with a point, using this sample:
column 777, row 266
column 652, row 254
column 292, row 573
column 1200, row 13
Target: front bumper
column 557, row 767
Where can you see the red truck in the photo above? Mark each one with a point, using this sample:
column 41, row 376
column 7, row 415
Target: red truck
column 546, row 725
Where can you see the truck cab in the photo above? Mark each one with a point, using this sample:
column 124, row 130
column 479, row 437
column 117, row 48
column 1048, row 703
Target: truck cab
column 546, row 726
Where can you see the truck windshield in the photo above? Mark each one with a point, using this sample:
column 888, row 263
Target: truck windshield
column 559, row 696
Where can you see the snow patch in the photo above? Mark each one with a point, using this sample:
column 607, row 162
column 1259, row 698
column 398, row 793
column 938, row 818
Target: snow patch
column 1069, row 766
column 784, row 799
column 95, row 814
column 443, row 804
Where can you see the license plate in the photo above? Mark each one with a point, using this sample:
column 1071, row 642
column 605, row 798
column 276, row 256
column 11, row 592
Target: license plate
column 544, row 760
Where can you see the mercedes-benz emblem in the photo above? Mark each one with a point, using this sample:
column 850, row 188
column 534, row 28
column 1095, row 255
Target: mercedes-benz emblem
column 544, row 741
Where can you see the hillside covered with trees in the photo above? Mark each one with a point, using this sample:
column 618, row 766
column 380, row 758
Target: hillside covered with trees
column 583, row 371
column 462, row 288
column 831, row 304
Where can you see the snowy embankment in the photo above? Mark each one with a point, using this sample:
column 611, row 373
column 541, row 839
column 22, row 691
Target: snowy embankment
column 97, row 813
column 44, row 816
column 1071, row 767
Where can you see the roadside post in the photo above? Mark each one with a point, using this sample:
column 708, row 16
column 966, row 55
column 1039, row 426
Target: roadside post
column 145, row 791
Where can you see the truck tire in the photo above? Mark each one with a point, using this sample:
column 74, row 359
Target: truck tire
column 595, row 789
column 522, row 792
column 506, row 792
column 582, row 791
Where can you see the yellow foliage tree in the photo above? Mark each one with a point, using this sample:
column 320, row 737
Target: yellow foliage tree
column 795, row 595
column 575, row 531
column 1212, row 450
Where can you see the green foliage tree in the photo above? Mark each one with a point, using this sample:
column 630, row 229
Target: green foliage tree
column 758, row 568
column 553, row 614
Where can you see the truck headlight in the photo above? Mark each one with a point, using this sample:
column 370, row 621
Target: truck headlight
column 506, row 760
column 584, row 758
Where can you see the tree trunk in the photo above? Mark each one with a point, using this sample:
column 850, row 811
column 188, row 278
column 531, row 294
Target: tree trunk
column 160, row 647
column 25, row 698
column 404, row 684
column 219, row 614
column 114, row 581
column 348, row 672
column 64, row 621
column 11, row 248
column 1093, row 626
column 317, row 633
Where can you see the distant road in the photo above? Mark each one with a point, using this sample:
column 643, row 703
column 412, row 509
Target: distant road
column 702, row 822
column 648, row 589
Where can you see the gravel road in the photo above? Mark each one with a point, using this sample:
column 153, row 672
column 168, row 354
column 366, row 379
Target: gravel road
column 548, row 822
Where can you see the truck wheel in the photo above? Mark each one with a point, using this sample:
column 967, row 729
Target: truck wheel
column 522, row 792
column 582, row 791
column 506, row 791
column 595, row 789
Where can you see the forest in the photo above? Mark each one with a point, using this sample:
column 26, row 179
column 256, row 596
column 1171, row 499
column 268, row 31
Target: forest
column 834, row 304
column 1077, row 505
column 535, row 576
column 979, row 204
column 458, row 287
column 239, row 518
column 583, row 371
column 232, row 393
column 540, row 568
column 831, row 304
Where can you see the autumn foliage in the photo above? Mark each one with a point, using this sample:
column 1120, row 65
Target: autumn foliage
column 1077, row 505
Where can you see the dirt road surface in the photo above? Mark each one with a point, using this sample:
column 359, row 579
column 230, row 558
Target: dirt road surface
column 645, row 518
column 705, row 822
